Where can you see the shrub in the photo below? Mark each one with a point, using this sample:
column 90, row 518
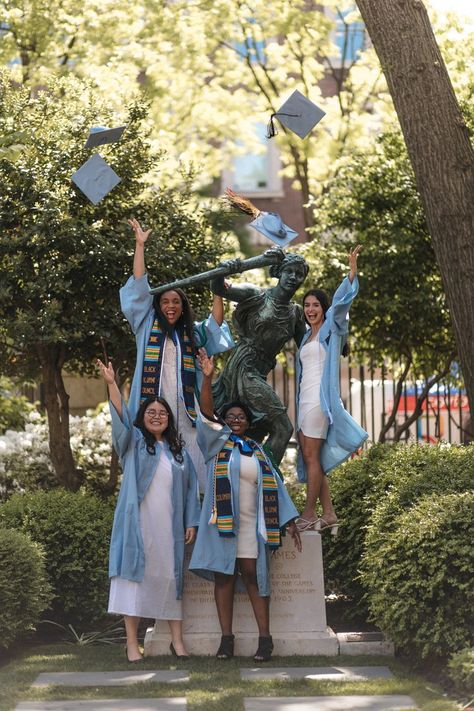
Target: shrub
column 25, row 461
column 419, row 576
column 390, row 478
column 24, row 590
column 356, row 487
column 74, row 531
column 14, row 408
column 461, row 670
column 421, row 470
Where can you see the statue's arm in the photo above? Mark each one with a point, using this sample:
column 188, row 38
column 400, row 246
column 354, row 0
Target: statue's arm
column 239, row 292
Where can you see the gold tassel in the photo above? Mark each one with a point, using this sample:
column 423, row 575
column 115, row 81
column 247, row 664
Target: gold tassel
column 240, row 203
column 213, row 518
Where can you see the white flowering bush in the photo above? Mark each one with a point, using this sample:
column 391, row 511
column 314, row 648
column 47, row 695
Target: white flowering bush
column 25, row 462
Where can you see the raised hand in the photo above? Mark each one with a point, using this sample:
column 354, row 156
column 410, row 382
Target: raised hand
column 353, row 254
column 206, row 363
column 106, row 371
column 276, row 253
column 141, row 235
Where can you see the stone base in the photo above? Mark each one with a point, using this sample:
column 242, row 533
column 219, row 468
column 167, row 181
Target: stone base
column 355, row 643
column 320, row 643
column 297, row 609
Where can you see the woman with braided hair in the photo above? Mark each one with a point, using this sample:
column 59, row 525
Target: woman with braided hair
column 244, row 509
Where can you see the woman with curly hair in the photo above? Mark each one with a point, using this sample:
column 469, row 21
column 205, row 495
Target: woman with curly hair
column 156, row 515
column 167, row 338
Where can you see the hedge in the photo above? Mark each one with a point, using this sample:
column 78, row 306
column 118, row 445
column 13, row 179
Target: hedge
column 74, row 531
column 461, row 670
column 419, row 576
column 24, row 589
column 389, row 478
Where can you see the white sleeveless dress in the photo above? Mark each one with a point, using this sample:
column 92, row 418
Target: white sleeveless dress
column 311, row 419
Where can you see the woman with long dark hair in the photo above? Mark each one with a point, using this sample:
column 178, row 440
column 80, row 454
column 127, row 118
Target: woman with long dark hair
column 157, row 513
column 327, row 434
column 167, row 339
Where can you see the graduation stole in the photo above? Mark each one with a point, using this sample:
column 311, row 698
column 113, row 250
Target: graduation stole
column 152, row 367
column 222, row 513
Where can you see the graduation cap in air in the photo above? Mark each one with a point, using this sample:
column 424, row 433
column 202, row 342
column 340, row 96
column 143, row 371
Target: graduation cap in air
column 95, row 178
column 100, row 135
column 298, row 113
column 272, row 226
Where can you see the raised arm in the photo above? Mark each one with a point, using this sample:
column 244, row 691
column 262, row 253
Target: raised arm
column 218, row 309
column 206, row 399
column 345, row 294
column 141, row 237
column 108, row 375
column 353, row 254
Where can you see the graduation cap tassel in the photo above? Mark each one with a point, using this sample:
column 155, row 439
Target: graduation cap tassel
column 240, row 203
column 271, row 128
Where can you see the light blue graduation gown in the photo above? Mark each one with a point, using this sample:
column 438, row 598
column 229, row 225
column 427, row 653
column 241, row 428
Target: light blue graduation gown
column 137, row 307
column 212, row 552
column 127, row 555
column 345, row 435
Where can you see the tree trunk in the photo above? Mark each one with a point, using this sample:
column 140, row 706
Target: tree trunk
column 57, row 408
column 440, row 151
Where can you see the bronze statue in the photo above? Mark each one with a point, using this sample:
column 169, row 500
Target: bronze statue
column 264, row 320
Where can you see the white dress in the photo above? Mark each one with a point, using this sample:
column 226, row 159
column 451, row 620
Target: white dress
column 169, row 391
column 247, row 536
column 155, row 596
column 311, row 419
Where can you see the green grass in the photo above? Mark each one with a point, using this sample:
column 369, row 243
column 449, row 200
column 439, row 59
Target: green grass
column 213, row 685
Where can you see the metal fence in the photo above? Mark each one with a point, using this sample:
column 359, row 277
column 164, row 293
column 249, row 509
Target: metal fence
column 368, row 394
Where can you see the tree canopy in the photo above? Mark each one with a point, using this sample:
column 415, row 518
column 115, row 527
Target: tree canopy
column 62, row 259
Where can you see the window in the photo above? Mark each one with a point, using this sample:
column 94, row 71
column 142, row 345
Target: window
column 349, row 37
column 256, row 174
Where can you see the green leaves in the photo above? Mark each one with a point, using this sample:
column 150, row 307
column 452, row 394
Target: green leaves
column 400, row 312
column 24, row 589
column 62, row 259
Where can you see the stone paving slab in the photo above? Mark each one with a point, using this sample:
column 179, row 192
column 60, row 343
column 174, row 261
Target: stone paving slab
column 330, row 703
column 176, row 704
column 318, row 673
column 118, row 678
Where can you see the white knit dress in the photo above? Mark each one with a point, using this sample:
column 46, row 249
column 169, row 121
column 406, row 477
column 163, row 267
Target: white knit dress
column 247, row 536
column 311, row 419
column 155, row 596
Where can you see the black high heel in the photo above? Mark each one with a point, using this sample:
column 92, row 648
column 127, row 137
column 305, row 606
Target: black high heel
column 226, row 647
column 265, row 649
column 175, row 653
column 132, row 661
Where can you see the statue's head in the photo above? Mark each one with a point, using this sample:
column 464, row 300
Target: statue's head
column 291, row 272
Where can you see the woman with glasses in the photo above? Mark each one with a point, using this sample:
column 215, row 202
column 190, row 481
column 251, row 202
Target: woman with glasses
column 156, row 515
column 245, row 506
column 167, row 337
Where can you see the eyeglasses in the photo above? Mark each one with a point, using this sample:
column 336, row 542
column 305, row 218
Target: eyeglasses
column 236, row 418
column 161, row 414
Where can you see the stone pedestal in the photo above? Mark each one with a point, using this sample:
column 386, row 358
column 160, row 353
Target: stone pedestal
column 297, row 609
